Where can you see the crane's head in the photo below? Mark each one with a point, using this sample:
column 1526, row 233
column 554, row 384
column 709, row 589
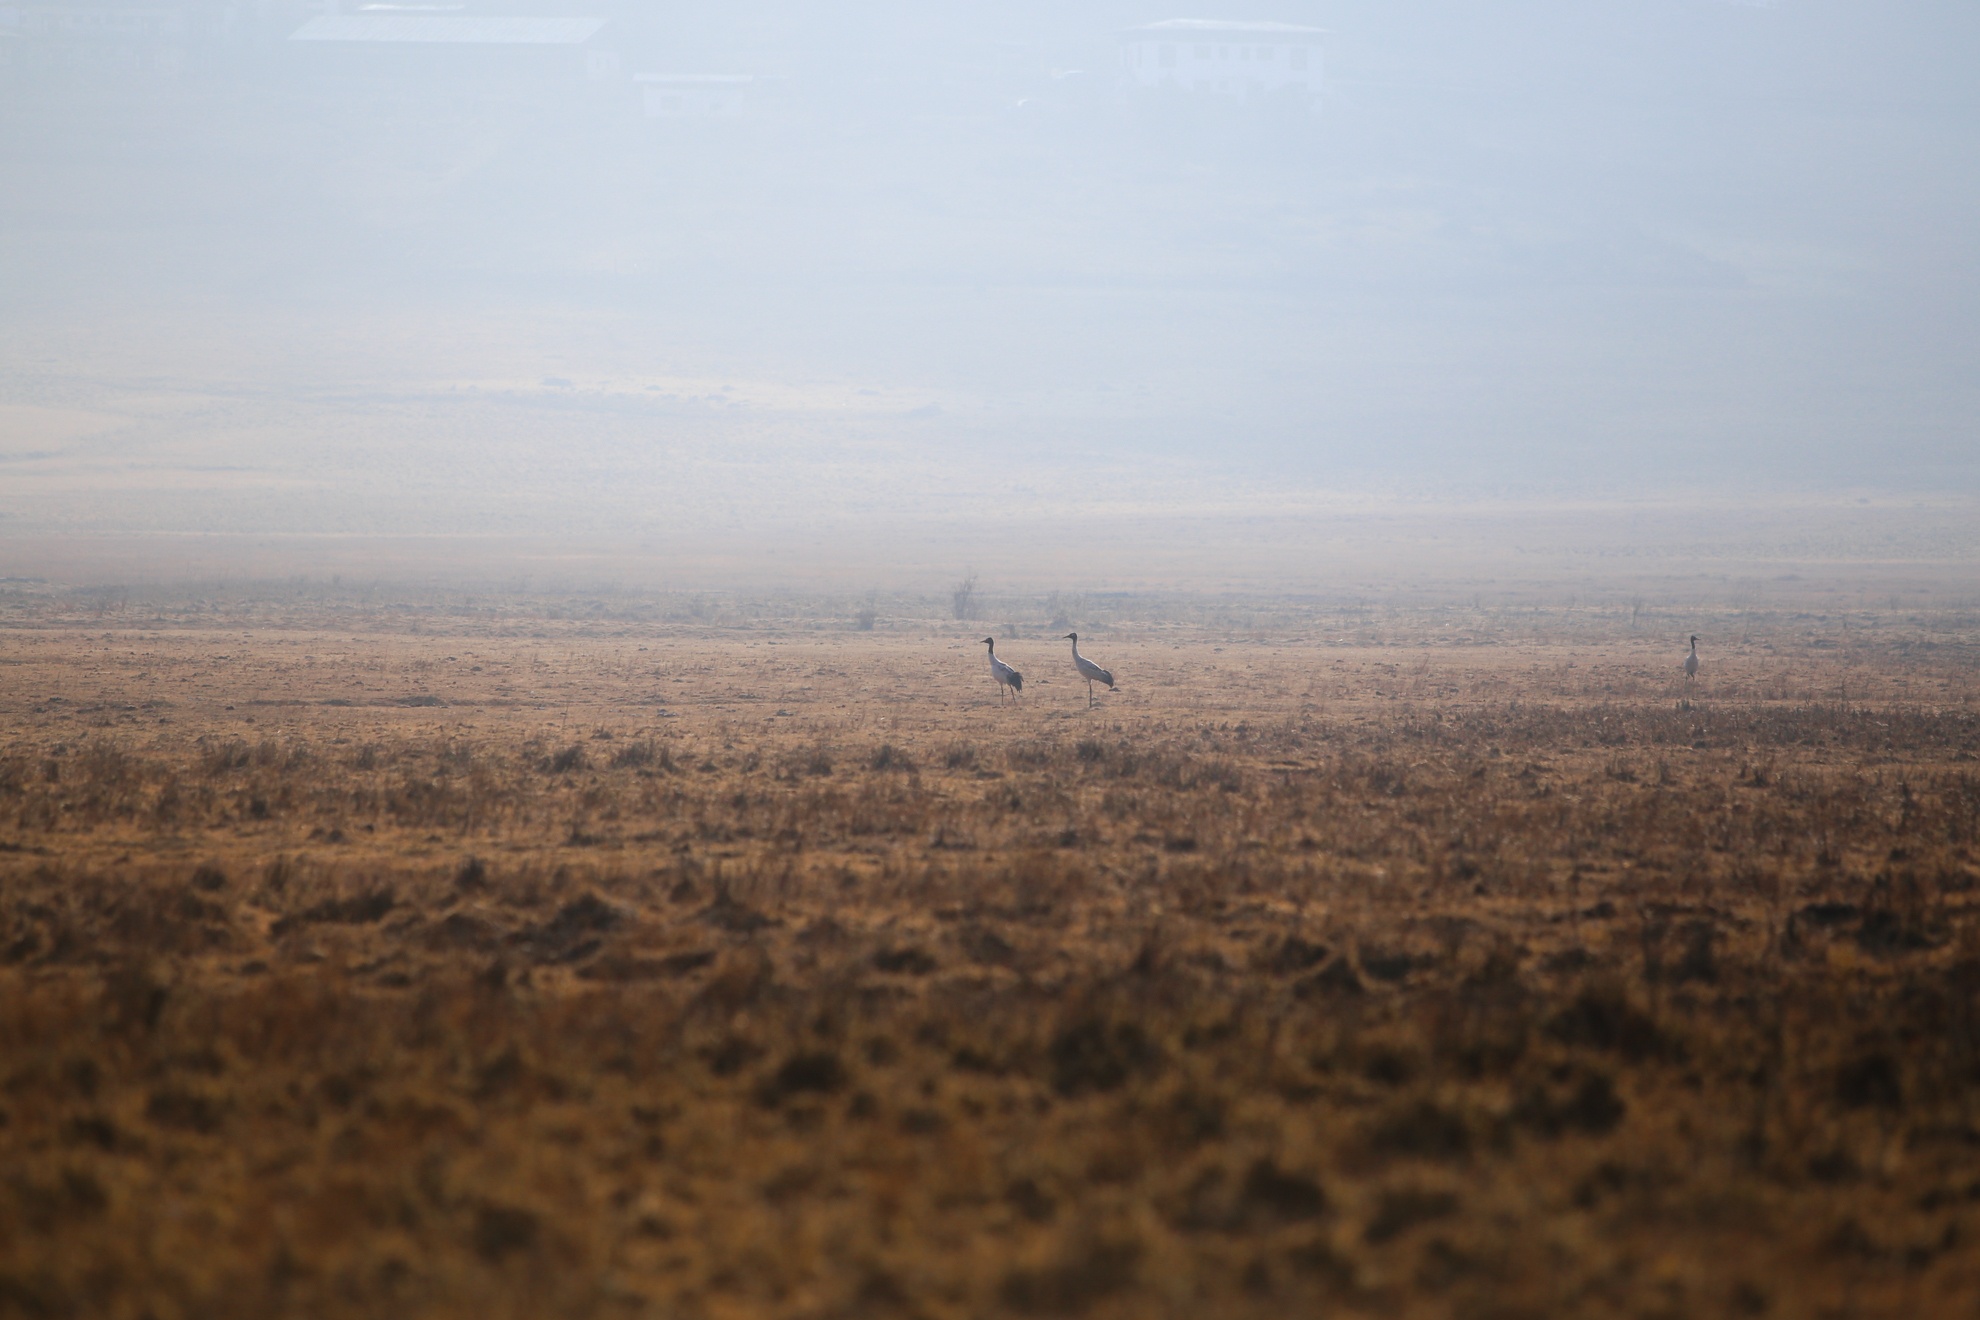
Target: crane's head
column 1694, row 639
column 1072, row 637
column 990, row 642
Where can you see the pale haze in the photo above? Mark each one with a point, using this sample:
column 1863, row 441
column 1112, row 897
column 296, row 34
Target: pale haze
column 915, row 288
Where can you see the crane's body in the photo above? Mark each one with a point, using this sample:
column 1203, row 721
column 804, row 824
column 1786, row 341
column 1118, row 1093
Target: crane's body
column 1691, row 661
column 1006, row 676
column 1089, row 671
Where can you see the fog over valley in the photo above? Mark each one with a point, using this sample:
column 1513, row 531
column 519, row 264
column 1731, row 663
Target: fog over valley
column 1041, row 660
column 861, row 293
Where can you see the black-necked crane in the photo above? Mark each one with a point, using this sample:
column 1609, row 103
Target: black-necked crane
column 1691, row 661
column 1006, row 676
column 1089, row 671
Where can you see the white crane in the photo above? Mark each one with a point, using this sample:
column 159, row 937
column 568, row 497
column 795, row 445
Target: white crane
column 1089, row 671
column 1006, row 676
column 1691, row 661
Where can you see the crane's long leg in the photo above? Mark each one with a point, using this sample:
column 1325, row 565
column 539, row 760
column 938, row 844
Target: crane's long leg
column 1089, row 694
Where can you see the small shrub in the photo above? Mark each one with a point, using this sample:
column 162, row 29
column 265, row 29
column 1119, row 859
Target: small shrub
column 1404, row 1208
column 1870, row 1081
column 1095, row 1055
column 890, row 757
column 907, row 961
column 1423, row 1130
column 1293, row 955
column 644, row 754
column 500, row 1231
column 356, row 910
column 1589, row 1105
column 1082, row 1279
column 184, row 1111
column 225, row 757
column 814, row 1072
column 1273, row 1193
column 962, row 597
column 1602, row 1018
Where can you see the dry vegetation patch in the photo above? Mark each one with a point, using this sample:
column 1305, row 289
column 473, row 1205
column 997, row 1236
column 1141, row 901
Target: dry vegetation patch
column 1296, row 978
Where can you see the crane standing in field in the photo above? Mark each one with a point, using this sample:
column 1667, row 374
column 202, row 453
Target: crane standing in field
column 1089, row 671
column 1691, row 661
column 1006, row 676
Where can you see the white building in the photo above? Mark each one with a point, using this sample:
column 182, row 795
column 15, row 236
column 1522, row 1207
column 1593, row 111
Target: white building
column 1218, row 57
column 695, row 95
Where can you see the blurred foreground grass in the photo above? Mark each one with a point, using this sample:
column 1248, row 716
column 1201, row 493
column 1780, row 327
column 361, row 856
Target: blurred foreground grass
column 790, row 976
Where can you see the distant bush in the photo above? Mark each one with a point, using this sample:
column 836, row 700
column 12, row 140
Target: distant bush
column 567, row 761
column 889, row 757
column 644, row 754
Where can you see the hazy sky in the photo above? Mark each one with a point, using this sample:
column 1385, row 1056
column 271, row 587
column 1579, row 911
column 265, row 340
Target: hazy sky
column 942, row 267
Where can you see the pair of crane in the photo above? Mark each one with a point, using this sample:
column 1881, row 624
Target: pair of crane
column 1009, row 679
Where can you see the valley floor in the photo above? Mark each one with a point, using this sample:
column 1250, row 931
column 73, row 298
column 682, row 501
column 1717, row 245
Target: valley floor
column 445, row 965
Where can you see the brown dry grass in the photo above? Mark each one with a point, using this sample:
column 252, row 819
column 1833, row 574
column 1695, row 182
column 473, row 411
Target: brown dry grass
column 534, row 970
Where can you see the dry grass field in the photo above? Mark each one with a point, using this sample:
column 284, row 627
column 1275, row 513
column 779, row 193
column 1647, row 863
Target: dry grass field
column 1435, row 963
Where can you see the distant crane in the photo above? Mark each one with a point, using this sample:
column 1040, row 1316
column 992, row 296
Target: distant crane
column 1691, row 661
column 1006, row 676
column 1089, row 671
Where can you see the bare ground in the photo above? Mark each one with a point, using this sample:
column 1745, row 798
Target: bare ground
column 1432, row 964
